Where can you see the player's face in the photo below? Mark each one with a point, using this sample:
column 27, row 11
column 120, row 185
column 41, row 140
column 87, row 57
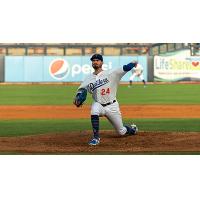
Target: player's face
column 96, row 64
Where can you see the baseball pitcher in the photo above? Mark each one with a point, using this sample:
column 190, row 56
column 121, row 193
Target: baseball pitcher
column 103, row 87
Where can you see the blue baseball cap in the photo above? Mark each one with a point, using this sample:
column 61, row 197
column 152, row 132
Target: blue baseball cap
column 97, row 56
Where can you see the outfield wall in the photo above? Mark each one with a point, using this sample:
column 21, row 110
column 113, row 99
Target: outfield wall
column 61, row 68
column 1, row 69
column 150, row 64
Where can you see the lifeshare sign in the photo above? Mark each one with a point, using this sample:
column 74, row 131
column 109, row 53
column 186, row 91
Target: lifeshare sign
column 59, row 69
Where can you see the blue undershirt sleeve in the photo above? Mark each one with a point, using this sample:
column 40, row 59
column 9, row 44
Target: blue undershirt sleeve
column 128, row 67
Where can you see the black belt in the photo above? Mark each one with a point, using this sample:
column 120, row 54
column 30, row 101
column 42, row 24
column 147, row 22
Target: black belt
column 106, row 104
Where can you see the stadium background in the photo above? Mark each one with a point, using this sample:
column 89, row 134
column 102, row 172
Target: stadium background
column 23, row 66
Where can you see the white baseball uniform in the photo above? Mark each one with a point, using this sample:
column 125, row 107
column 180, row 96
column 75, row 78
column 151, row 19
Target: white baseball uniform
column 137, row 71
column 103, row 88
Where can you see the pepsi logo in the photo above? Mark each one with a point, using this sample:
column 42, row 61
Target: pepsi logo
column 59, row 69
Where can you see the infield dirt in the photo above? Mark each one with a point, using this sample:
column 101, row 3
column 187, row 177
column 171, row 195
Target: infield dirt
column 111, row 143
column 71, row 112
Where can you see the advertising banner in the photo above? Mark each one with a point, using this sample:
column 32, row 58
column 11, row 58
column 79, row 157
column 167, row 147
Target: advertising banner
column 176, row 68
column 61, row 68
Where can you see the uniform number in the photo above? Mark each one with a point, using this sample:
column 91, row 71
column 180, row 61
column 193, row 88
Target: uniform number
column 105, row 91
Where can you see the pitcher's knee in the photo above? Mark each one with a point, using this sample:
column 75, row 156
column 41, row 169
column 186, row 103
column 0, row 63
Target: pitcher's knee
column 94, row 112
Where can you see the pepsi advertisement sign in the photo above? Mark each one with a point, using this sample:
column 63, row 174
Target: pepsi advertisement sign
column 61, row 68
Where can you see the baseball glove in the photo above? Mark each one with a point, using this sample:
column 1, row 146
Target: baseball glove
column 80, row 97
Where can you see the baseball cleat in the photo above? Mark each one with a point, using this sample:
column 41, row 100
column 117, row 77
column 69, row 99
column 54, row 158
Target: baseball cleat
column 94, row 141
column 131, row 130
column 133, row 126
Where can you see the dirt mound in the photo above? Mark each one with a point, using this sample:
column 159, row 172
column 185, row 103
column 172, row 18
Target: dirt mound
column 111, row 143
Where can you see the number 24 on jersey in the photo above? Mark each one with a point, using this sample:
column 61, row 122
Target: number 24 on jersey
column 105, row 91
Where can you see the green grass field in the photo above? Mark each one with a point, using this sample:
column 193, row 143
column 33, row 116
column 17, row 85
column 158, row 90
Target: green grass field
column 63, row 95
column 33, row 127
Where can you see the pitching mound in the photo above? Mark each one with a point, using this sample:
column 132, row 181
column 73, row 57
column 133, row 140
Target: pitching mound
column 111, row 143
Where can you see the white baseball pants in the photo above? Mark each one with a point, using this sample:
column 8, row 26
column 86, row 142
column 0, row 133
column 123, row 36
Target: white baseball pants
column 134, row 75
column 112, row 113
